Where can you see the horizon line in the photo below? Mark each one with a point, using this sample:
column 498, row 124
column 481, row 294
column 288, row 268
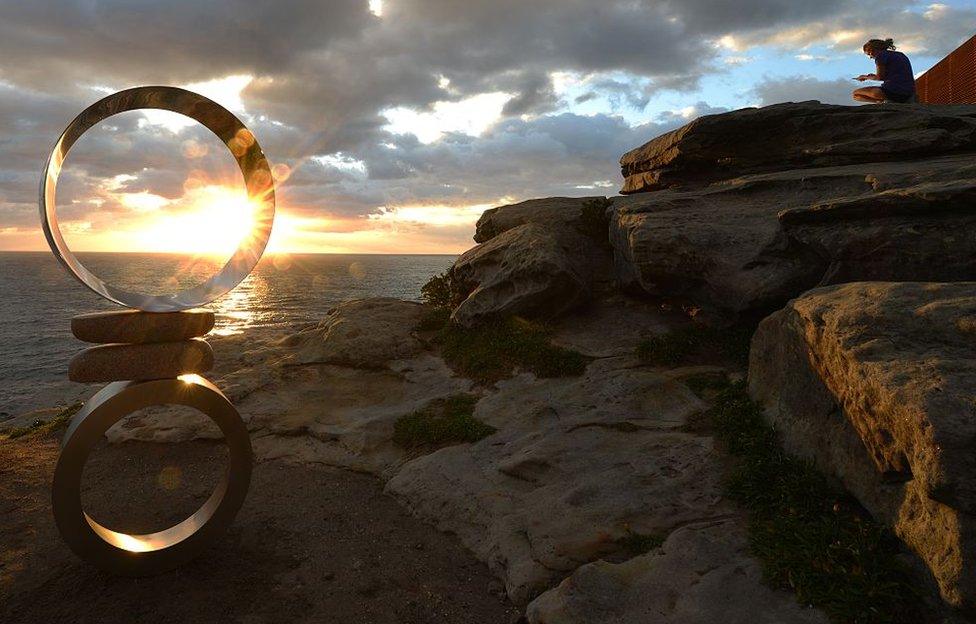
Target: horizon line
column 272, row 253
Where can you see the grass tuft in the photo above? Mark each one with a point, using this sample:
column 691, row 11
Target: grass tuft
column 493, row 351
column 675, row 347
column 810, row 535
column 54, row 425
column 441, row 423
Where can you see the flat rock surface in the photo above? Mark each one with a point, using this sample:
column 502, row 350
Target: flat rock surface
column 576, row 464
column 875, row 381
column 161, row 360
column 311, row 544
column 135, row 326
column 794, row 136
column 702, row 574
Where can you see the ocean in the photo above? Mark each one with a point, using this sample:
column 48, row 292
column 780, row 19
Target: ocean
column 38, row 299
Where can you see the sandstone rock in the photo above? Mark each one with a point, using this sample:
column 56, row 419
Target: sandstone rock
column 575, row 465
column 364, row 333
column 874, row 382
column 135, row 326
column 795, row 135
column 530, row 270
column 702, row 574
column 550, row 211
column 117, row 362
column 750, row 244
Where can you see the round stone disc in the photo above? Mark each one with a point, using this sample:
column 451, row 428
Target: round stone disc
column 123, row 362
column 136, row 327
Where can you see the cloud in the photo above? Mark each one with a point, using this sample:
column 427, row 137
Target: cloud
column 803, row 88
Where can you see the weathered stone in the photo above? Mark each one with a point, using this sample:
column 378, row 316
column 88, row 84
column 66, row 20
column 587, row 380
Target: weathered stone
column 794, row 136
column 874, row 382
column 137, row 327
column 702, row 574
column 364, row 333
column 750, row 244
column 529, row 270
column 575, row 465
column 364, row 370
column 550, row 211
column 160, row 360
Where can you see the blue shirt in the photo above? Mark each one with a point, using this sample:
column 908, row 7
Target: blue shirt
column 897, row 69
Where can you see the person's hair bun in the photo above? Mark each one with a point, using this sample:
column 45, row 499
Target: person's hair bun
column 889, row 43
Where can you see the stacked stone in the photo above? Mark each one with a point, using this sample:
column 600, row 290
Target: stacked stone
column 136, row 345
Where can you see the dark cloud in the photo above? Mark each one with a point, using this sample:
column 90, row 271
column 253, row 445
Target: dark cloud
column 325, row 71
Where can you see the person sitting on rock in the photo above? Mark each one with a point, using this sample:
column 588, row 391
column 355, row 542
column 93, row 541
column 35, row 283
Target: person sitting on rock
column 894, row 71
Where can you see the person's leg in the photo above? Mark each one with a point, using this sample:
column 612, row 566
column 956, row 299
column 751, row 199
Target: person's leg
column 869, row 94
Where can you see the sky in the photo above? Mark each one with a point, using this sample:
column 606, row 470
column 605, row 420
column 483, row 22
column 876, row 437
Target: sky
column 392, row 124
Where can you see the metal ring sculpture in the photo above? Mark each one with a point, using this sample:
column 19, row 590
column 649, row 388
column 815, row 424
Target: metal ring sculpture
column 230, row 130
column 157, row 552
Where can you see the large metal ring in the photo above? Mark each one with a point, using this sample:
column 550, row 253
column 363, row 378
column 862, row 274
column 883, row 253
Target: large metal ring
column 230, row 130
column 137, row 555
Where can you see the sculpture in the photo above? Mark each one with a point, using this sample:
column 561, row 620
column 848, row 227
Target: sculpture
column 163, row 332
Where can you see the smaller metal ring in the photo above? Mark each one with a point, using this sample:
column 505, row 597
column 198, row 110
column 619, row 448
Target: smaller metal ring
column 138, row 555
column 230, row 130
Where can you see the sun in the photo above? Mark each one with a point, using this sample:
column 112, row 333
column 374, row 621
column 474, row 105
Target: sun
column 211, row 220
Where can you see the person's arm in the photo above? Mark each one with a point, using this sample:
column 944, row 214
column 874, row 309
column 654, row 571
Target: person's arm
column 880, row 72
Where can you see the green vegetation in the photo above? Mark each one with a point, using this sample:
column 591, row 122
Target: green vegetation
column 434, row 319
column 594, row 221
column 441, row 423
column 493, row 351
column 54, row 425
column 635, row 544
column 810, row 535
column 441, row 292
column 675, row 347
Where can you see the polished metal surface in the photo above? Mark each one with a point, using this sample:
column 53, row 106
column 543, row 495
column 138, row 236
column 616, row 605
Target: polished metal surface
column 230, row 130
column 138, row 555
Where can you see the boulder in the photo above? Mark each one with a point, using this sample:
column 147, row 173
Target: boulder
column 363, row 333
column 748, row 245
column 575, row 466
column 136, row 326
column 159, row 360
column 702, row 574
column 549, row 211
column 531, row 270
column 795, row 136
column 874, row 382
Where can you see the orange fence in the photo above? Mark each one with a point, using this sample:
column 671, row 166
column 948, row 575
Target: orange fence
column 952, row 80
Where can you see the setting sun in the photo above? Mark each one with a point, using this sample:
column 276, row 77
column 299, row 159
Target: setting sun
column 217, row 220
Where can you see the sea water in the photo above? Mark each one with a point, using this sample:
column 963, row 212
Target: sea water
column 38, row 299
